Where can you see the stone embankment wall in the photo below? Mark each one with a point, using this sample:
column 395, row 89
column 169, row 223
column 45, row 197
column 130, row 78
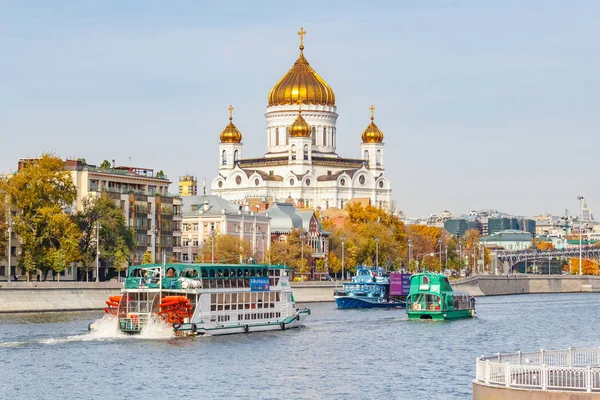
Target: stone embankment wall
column 497, row 285
column 55, row 296
column 482, row 392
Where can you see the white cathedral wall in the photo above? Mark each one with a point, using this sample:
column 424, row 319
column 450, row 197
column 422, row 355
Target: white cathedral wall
column 322, row 118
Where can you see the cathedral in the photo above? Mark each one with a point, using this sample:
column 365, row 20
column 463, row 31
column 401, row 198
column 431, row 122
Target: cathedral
column 301, row 164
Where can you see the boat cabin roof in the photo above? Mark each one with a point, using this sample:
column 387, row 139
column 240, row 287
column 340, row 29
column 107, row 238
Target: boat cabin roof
column 430, row 282
column 206, row 271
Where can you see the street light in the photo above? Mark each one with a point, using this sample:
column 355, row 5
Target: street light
column 440, row 241
column 376, row 251
column 97, row 251
column 212, row 237
column 155, row 231
column 189, row 249
column 8, row 248
column 343, row 240
column 580, row 198
column 410, row 246
column 262, row 235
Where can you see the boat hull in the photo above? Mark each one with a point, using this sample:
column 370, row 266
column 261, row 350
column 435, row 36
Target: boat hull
column 440, row 315
column 213, row 329
column 345, row 302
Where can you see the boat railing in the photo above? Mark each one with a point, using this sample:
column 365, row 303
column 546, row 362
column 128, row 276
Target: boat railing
column 573, row 369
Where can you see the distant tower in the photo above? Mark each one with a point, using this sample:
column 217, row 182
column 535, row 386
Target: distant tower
column 230, row 149
column 188, row 186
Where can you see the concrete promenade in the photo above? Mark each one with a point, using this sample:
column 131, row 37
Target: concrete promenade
column 78, row 296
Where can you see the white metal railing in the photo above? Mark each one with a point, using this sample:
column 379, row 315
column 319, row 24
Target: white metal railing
column 572, row 369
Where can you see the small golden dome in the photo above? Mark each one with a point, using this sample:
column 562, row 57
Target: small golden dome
column 372, row 134
column 231, row 134
column 300, row 128
column 301, row 82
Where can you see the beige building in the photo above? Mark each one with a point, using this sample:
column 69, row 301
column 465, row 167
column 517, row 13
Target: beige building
column 143, row 195
column 207, row 216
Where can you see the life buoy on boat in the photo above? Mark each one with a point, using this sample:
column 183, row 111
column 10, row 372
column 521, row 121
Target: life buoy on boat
column 282, row 325
column 176, row 325
column 246, row 329
column 416, row 306
column 297, row 317
column 432, row 307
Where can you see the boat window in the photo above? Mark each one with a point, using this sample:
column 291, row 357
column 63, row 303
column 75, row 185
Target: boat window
column 252, row 272
column 246, row 273
column 258, row 273
column 220, row 273
column 232, row 273
column 239, row 272
column 204, row 273
column 212, row 273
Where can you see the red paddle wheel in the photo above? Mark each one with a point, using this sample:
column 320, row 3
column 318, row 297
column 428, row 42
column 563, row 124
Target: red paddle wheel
column 112, row 305
column 175, row 309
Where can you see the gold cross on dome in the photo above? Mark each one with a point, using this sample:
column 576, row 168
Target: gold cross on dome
column 372, row 108
column 230, row 112
column 301, row 33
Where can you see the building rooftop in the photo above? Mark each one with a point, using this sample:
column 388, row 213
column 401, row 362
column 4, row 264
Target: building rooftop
column 508, row 235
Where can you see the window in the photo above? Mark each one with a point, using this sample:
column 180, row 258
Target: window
column 366, row 156
column 256, row 181
column 342, row 182
column 313, row 134
column 292, row 182
column 307, row 182
column 235, row 157
column 324, row 136
column 287, row 135
column 238, row 180
column 293, row 152
column 224, row 158
column 220, row 184
column 362, row 180
column 276, row 136
column 378, row 157
column 381, row 184
column 306, row 152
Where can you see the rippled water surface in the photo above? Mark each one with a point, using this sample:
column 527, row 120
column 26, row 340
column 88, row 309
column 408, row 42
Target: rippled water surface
column 338, row 354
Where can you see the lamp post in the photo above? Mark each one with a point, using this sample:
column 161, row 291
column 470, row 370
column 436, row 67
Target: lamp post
column 343, row 240
column 410, row 246
column 580, row 198
column 97, row 252
column 440, row 241
column 262, row 235
column 155, row 231
column 376, row 251
column 190, row 255
column 212, row 238
column 8, row 248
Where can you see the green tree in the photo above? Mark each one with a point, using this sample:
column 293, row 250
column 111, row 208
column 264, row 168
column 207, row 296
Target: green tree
column 103, row 216
column 289, row 251
column 148, row 259
column 105, row 165
column 39, row 192
column 228, row 249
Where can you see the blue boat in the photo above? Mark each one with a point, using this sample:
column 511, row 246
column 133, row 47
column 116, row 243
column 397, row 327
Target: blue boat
column 370, row 288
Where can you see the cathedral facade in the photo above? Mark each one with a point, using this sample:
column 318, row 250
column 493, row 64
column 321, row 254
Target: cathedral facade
column 301, row 162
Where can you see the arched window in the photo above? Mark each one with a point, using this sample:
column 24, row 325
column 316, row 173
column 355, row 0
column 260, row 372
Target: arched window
column 313, row 135
column 224, row 158
column 293, row 152
column 366, row 156
column 287, row 135
column 235, row 157
column 306, row 152
column 378, row 157
column 276, row 136
column 333, row 136
column 324, row 136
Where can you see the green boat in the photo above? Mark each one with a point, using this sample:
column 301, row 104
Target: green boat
column 431, row 297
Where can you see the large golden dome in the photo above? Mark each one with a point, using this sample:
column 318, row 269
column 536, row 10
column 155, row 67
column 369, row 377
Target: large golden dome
column 301, row 82
column 231, row 134
column 300, row 128
column 372, row 134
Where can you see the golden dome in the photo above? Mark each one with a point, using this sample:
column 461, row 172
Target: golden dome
column 231, row 134
column 301, row 82
column 372, row 134
column 300, row 127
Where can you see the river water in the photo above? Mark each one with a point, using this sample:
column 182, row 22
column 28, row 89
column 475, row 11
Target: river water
column 338, row 354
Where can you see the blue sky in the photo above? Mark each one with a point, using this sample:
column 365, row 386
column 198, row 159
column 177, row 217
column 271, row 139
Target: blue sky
column 484, row 104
